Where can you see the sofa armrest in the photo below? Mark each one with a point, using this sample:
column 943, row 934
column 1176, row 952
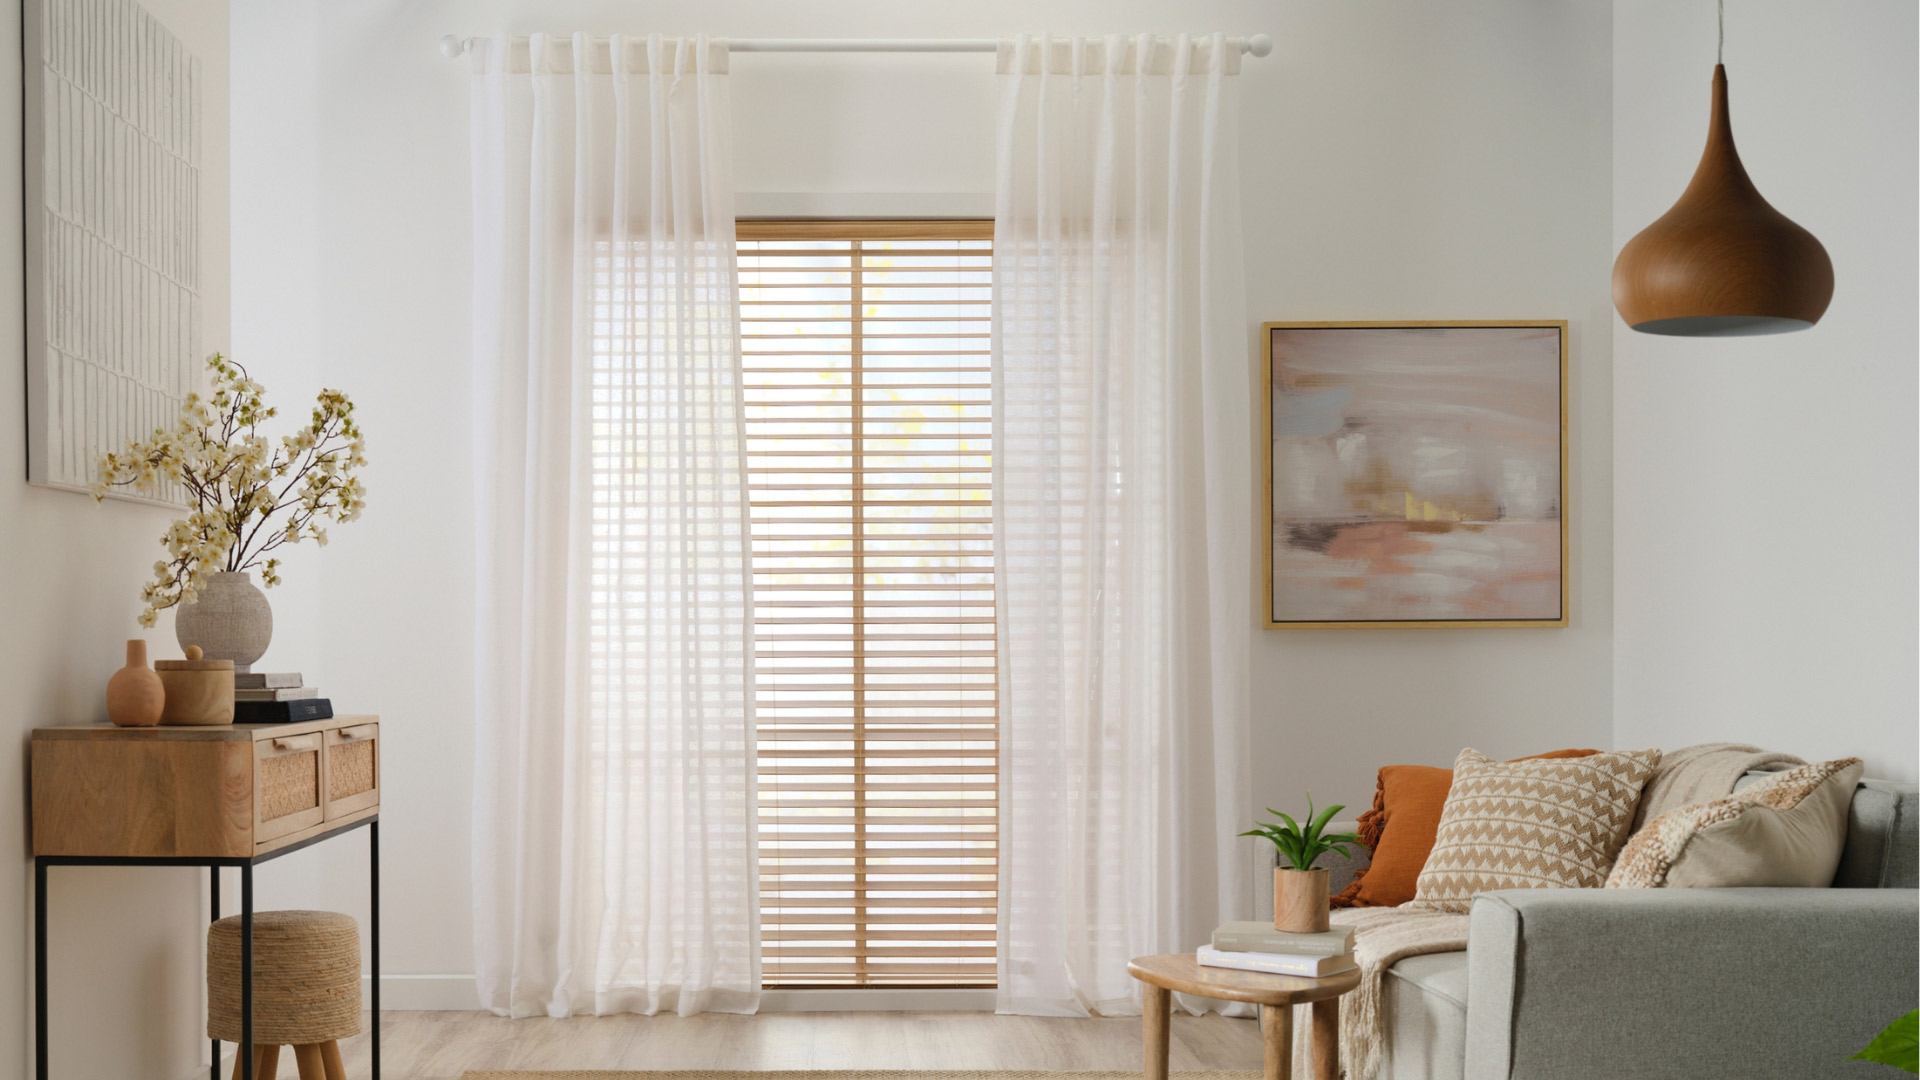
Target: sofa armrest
column 1340, row 869
column 1629, row 983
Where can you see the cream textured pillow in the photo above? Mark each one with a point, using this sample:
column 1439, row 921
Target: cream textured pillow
column 1788, row 829
column 1539, row 824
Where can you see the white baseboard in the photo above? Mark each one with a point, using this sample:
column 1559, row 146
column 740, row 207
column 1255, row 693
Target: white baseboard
column 455, row 993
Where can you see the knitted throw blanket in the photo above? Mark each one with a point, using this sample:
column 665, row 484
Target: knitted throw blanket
column 1702, row 772
column 1382, row 937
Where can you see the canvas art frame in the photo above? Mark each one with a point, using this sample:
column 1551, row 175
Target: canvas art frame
column 111, row 170
column 1522, row 541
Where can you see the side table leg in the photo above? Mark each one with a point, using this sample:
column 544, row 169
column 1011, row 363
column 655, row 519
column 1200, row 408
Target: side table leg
column 1155, row 1003
column 246, row 971
column 1276, row 1041
column 373, row 919
column 1326, row 1039
column 40, row 1049
column 213, row 877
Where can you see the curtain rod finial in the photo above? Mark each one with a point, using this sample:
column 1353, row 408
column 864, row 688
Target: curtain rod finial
column 1260, row 44
column 452, row 47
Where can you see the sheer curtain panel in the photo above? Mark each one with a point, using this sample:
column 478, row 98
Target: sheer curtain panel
column 1122, row 480
column 614, row 791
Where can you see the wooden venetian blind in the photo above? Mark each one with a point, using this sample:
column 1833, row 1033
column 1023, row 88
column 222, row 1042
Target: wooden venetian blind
column 868, row 428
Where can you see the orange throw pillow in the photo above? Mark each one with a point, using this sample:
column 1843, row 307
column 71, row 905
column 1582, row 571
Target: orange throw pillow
column 1409, row 798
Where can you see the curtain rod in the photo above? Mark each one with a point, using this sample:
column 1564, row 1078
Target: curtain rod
column 1257, row 45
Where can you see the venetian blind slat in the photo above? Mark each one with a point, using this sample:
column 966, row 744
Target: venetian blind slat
column 869, row 420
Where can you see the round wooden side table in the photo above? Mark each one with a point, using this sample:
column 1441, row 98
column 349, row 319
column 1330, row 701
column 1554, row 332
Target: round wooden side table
column 1275, row 994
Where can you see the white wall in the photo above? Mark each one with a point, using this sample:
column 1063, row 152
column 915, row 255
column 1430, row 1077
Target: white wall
column 1401, row 160
column 126, row 944
column 1764, row 516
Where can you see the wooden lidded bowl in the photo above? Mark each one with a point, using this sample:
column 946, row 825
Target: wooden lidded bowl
column 199, row 692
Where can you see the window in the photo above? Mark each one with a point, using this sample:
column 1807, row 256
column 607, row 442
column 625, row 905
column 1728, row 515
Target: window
column 868, row 443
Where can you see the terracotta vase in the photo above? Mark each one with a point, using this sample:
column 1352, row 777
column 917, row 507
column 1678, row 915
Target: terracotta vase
column 1300, row 900
column 229, row 620
column 135, row 697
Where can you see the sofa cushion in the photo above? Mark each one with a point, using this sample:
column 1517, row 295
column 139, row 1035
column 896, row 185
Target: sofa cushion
column 1399, row 830
column 1427, row 1017
column 1786, row 831
column 1883, row 835
column 1531, row 825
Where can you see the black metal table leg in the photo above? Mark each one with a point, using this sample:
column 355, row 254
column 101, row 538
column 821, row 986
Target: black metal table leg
column 213, row 874
column 43, row 863
column 39, row 968
column 373, row 919
column 246, row 971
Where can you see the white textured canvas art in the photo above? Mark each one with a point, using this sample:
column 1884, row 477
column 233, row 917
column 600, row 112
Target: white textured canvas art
column 112, row 164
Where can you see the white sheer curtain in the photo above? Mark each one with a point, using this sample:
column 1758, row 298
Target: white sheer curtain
column 1122, row 475
column 614, row 796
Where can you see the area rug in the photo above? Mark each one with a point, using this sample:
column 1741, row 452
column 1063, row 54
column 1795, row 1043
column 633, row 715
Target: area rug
column 840, row 1074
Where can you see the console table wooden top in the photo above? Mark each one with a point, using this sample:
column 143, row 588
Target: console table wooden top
column 216, row 791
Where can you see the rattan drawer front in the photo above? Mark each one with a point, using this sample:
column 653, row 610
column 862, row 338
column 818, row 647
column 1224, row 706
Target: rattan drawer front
column 353, row 769
column 288, row 786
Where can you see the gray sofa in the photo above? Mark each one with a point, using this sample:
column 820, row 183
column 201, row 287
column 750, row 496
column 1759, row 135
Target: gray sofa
column 1620, row 984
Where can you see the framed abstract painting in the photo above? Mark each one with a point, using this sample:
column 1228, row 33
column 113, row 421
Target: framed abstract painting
column 1416, row 474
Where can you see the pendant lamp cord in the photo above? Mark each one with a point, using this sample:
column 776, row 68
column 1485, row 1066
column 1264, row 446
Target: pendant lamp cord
column 1720, row 49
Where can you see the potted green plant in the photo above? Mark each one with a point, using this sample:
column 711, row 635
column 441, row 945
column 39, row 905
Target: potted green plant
column 1299, row 887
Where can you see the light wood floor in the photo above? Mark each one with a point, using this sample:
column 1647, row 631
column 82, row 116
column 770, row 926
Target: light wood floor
column 442, row 1045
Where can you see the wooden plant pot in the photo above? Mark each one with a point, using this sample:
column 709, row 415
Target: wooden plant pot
column 1300, row 900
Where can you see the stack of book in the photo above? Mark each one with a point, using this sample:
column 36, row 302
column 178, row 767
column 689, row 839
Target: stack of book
column 262, row 697
column 1257, row 946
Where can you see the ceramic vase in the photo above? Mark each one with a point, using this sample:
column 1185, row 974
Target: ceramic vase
column 230, row 620
column 1300, row 900
column 135, row 697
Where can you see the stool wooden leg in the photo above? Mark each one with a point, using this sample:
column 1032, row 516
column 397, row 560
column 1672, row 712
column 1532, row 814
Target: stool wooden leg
column 266, row 1062
column 1326, row 1039
column 1276, row 1041
column 1155, row 1004
column 308, row 1058
column 330, row 1057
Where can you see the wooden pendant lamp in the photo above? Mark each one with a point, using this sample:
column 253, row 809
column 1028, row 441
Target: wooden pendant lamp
column 1722, row 263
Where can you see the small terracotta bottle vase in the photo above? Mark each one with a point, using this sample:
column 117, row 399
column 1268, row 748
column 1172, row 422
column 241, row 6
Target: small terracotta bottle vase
column 134, row 694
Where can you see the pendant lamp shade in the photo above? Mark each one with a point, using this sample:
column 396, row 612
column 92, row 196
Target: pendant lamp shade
column 1722, row 263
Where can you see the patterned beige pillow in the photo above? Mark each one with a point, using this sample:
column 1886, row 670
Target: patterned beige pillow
column 1788, row 829
column 1539, row 824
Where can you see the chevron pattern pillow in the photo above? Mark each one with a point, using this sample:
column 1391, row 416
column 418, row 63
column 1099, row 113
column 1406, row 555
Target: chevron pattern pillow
column 1541, row 824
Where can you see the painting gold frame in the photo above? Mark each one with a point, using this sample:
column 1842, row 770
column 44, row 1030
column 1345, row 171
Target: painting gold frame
column 1266, row 488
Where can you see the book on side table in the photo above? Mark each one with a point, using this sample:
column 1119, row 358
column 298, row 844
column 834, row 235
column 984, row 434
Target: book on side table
column 1262, row 937
column 1312, row 967
column 1257, row 946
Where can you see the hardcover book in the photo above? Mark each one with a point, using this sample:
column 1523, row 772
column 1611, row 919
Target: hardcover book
column 281, row 712
column 1262, row 937
column 1312, row 967
column 266, row 680
column 294, row 693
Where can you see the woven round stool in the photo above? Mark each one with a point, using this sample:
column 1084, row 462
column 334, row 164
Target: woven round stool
column 306, row 989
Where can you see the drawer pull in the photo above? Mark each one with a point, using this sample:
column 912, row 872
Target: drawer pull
column 355, row 734
column 296, row 744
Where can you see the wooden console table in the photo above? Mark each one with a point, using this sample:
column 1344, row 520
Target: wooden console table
column 229, row 795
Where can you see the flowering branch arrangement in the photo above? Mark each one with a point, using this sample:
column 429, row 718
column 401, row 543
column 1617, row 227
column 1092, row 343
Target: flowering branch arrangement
column 249, row 495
